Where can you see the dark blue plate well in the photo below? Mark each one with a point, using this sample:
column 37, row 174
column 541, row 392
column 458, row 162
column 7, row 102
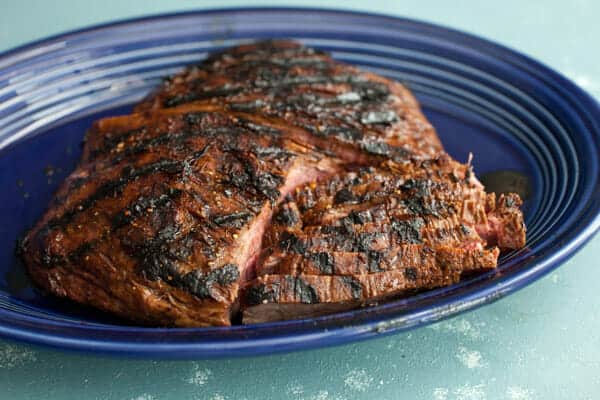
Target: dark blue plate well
column 508, row 110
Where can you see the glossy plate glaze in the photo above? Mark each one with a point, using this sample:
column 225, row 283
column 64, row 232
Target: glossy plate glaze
column 519, row 118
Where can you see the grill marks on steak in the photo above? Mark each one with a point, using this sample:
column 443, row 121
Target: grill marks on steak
column 304, row 88
column 377, row 233
column 171, row 207
column 181, row 218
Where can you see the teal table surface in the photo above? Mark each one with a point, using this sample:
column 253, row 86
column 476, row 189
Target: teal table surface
column 540, row 343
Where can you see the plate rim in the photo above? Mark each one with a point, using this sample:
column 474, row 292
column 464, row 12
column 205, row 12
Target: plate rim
column 23, row 327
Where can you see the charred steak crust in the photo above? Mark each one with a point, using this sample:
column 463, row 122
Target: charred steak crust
column 268, row 177
column 400, row 228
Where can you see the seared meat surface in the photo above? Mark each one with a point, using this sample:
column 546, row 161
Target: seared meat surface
column 167, row 229
column 376, row 233
column 271, row 178
column 337, row 107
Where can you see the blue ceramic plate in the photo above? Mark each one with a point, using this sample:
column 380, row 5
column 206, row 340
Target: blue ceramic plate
column 509, row 110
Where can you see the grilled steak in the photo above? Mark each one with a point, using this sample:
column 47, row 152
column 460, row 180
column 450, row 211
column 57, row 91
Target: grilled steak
column 268, row 177
column 162, row 229
column 376, row 233
column 303, row 91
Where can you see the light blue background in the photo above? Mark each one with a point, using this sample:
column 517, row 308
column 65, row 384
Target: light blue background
column 541, row 343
